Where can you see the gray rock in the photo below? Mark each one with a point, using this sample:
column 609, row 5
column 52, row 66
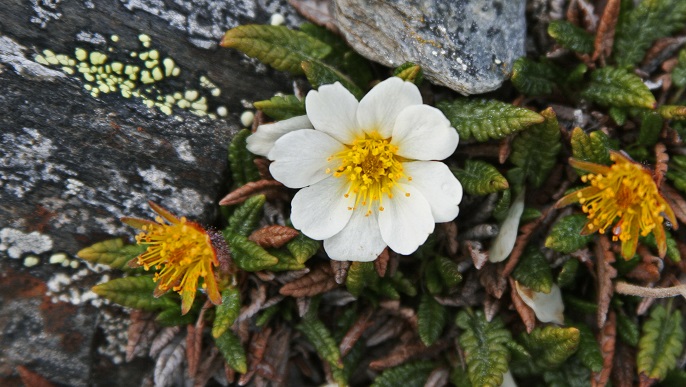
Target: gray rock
column 468, row 46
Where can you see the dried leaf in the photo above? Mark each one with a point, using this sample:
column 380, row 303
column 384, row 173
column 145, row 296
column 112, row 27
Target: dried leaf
column 607, row 337
column 604, row 259
column 164, row 337
column 355, row 332
column 273, row 236
column 525, row 312
column 319, row 280
column 169, row 362
column 605, row 36
column 438, row 377
column 526, row 232
column 194, row 341
column 140, row 332
column 240, row 194
column 210, row 364
column 675, row 201
column 398, row 355
column 661, row 159
column 340, row 269
column 624, row 367
column 32, row 379
column 381, row 263
column 256, row 350
column 479, row 257
column 492, row 278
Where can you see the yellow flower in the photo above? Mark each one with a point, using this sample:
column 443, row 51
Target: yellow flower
column 180, row 251
column 625, row 191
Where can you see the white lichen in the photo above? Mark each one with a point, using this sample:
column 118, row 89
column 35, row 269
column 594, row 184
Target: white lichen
column 17, row 243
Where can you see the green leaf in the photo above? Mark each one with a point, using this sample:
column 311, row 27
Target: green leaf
column 570, row 36
column 432, row 278
column 277, row 46
column 241, row 161
column 303, row 248
column 535, row 78
column 674, row 378
column 502, row 206
column 410, row 72
column 402, row 284
column 248, row 255
column 320, row 337
column 593, row 147
column 617, row 87
column 627, row 329
column 245, row 218
column 267, row 314
column 533, row 271
column 677, row 171
column 651, row 126
column 679, row 72
column 568, row 273
column 529, row 215
column 661, row 343
column 459, row 377
column 449, row 271
column 113, row 253
column 232, row 350
column 619, row 115
column 360, row 275
column 319, row 73
column 480, row 178
column 486, row 119
column 413, row 374
column 535, row 150
column 287, row 261
column 172, row 317
column 282, row 107
column 580, row 304
column 551, row 346
column 134, row 292
column 638, row 28
column 485, row 349
column 573, row 374
column 672, row 112
column 589, row 350
column 227, row 312
column 565, row 235
column 432, row 318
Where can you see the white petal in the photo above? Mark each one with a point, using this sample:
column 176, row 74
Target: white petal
column 321, row 211
column 301, row 158
column 438, row 186
column 547, row 307
column 406, row 221
column 508, row 380
column 262, row 141
column 379, row 109
column 422, row 132
column 360, row 240
column 333, row 110
column 504, row 242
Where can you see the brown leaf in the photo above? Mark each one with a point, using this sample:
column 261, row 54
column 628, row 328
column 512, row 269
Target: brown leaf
column 194, row 341
column 525, row 233
column 476, row 251
column 262, row 165
column 449, row 235
column 675, row 201
column 164, row 337
column 140, row 332
column 381, row 263
column 355, row 332
column 256, row 350
column 340, row 269
column 623, row 370
column 605, row 35
column 525, row 312
column 274, row 365
column 604, row 259
column 661, row 159
column 504, row 149
column 319, row 280
column 661, row 50
column 491, row 308
column 606, row 338
column 239, row 195
column 259, row 119
column 273, row 236
column 408, row 314
column 258, row 297
column 32, row 379
column 229, row 373
column 210, row 364
column 388, row 330
column 492, row 278
column 169, row 362
column 398, row 355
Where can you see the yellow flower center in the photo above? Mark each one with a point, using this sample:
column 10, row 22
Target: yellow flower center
column 628, row 192
column 372, row 167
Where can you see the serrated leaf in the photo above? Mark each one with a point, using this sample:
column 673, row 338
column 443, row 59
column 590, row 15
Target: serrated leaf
column 534, row 151
column 679, row 72
column 319, row 73
column 248, row 255
column 432, row 318
column 277, row 46
column 672, row 112
column 617, row 87
column 230, row 346
column 320, row 337
column 459, row 377
column 412, row 374
column 502, row 206
column 480, row 178
column 535, row 78
column 281, row 107
column 593, row 147
column 226, row 312
column 113, row 253
column 245, row 218
column 533, row 271
column 566, row 276
column 360, row 275
column 565, row 235
column 573, row 374
column 486, row 119
column 619, row 115
column 133, row 292
column 286, row 261
column 485, row 349
column 589, row 350
column 449, row 271
column 432, row 279
column 266, row 316
column 627, row 329
column 570, row 36
column 241, row 161
column 638, row 28
column 410, row 72
column 303, row 248
column 551, row 346
column 403, row 284
column 172, row 317
column 651, row 126
column 661, row 343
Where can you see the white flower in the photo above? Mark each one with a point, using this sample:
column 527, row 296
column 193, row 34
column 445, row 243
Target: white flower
column 366, row 168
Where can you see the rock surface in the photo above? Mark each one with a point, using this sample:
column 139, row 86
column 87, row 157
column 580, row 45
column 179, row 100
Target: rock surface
column 468, row 46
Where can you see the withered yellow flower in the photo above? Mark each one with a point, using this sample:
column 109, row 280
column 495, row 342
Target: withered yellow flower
column 180, row 251
column 622, row 198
